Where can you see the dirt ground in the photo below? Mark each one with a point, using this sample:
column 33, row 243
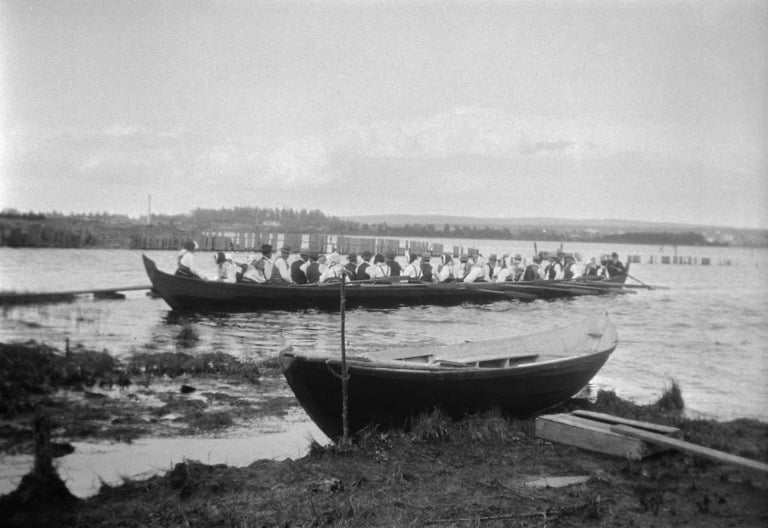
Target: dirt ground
column 481, row 471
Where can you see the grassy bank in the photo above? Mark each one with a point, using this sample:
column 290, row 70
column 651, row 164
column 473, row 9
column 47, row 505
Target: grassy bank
column 92, row 395
column 481, row 471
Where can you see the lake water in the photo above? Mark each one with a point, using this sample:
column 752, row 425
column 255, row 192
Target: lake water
column 708, row 331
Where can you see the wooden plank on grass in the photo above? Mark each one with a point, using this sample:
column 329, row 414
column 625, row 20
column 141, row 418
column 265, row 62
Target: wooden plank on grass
column 617, row 420
column 592, row 436
column 688, row 447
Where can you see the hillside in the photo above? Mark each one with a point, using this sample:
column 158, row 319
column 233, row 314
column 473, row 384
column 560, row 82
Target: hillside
column 537, row 222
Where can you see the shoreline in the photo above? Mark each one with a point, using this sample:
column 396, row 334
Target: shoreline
column 481, row 470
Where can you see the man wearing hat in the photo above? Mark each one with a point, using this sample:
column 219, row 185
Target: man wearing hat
column 533, row 272
column 615, row 267
column 554, row 270
column 281, row 273
column 569, row 269
column 298, row 276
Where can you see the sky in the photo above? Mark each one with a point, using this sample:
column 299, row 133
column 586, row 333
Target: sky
column 643, row 110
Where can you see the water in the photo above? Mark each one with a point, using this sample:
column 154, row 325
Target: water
column 708, row 332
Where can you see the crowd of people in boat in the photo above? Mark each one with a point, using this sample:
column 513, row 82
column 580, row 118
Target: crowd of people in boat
column 308, row 266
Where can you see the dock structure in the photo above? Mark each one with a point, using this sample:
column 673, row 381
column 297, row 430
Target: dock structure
column 251, row 239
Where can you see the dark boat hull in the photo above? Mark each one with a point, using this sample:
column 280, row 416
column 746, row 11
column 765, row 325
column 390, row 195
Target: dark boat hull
column 387, row 397
column 183, row 293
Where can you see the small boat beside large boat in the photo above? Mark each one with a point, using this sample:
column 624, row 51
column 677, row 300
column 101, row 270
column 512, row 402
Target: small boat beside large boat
column 519, row 375
column 185, row 293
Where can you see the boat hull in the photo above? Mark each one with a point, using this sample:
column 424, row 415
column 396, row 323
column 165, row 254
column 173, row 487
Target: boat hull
column 384, row 396
column 182, row 293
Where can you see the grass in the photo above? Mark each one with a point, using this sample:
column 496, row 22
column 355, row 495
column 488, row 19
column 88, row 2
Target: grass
column 440, row 472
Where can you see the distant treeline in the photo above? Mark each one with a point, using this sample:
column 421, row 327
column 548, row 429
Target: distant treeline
column 103, row 229
column 668, row 239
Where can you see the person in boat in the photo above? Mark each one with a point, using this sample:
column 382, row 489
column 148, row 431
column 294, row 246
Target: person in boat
column 185, row 262
column 532, row 271
column 489, row 268
column 394, row 266
column 254, row 272
column 553, row 270
column 427, row 275
column 413, row 269
column 445, row 269
column 462, row 268
column 615, row 267
column 226, row 270
column 477, row 272
column 498, row 269
column 334, row 271
column 298, row 276
column 266, row 259
column 361, row 272
column 351, row 266
column 519, row 268
column 593, row 269
column 312, row 270
column 379, row 269
column 503, row 271
column 570, row 270
column 281, row 272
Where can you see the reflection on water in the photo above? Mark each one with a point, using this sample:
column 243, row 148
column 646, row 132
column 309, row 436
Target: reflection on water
column 93, row 464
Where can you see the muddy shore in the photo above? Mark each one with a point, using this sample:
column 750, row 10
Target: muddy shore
column 481, row 471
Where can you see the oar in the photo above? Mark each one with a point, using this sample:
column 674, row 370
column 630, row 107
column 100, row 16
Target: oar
column 512, row 294
column 644, row 285
column 31, row 297
column 557, row 288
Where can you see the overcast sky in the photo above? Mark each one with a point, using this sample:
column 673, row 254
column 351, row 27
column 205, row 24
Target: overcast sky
column 596, row 109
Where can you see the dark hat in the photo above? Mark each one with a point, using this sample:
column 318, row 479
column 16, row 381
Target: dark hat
column 366, row 254
column 614, row 254
column 390, row 254
column 220, row 257
column 266, row 248
column 304, row 252
column 352, row 257
column 314, row 254
column 464, row 258
column 493, row 257
column 518, row 257
column 286, row 248
column 190, row 245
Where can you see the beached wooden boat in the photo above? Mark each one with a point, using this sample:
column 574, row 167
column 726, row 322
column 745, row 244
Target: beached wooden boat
column 519, row 375
column 184, row 293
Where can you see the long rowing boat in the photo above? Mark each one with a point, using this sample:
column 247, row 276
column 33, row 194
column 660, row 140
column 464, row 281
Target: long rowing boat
column 519, row 375
column 182, row 293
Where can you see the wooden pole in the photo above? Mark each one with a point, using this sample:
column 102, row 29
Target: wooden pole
column 344, row 372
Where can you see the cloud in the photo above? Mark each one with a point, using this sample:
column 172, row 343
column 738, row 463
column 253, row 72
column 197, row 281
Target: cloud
column 298, row 162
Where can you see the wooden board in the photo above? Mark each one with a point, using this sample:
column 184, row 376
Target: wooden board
column 687, row 447
column 596, row 435
column 617, row 420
